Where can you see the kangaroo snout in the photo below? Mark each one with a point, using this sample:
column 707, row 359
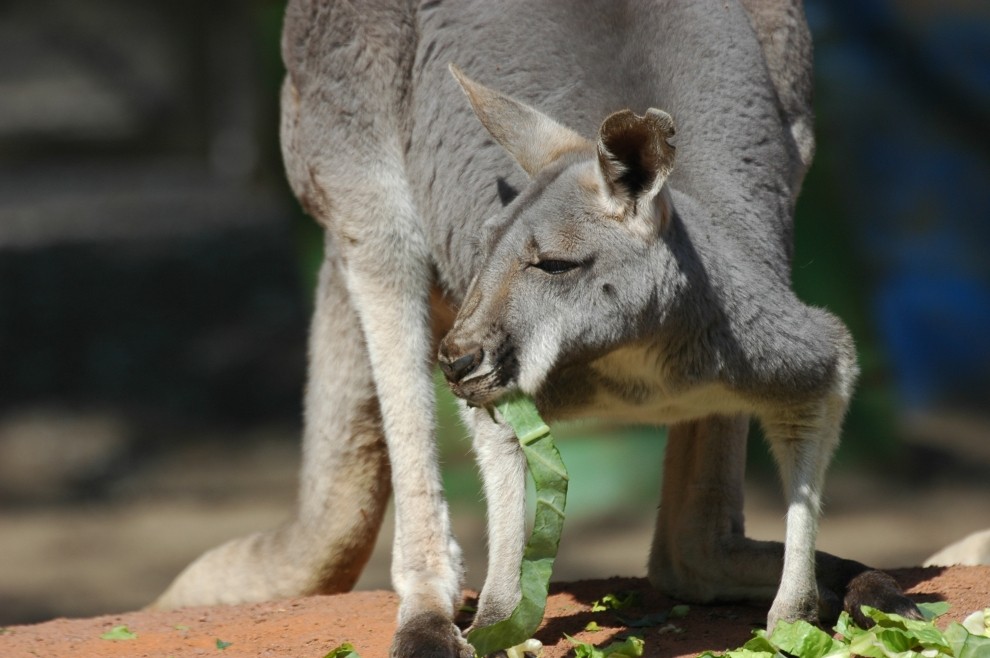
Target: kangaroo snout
column 457, row 362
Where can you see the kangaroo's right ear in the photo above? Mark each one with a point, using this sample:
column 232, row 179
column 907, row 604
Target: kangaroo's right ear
column 531, row 137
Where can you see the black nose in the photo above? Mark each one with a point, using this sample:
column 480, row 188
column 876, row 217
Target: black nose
column 455, row 368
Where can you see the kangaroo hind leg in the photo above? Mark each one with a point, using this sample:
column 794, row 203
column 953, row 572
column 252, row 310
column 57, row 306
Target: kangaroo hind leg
column 388, row 276
column 344, row 146
column 700, row 552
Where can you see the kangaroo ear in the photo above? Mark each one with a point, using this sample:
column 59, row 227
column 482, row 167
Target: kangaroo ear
column 532, row 138
column 634, row 159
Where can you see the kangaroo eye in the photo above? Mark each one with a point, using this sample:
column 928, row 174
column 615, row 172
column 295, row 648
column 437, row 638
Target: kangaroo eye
column 556, row 266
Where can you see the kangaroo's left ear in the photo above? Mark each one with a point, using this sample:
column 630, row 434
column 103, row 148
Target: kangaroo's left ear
column 531, row 137
column 634, row 160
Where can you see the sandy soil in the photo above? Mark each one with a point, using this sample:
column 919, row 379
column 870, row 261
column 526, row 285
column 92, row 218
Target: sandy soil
column 311, row 627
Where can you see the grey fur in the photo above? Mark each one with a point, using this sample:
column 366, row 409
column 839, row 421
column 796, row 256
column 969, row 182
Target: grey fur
column 610, row 285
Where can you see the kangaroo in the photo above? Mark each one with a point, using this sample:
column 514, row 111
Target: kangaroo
column 553, row 236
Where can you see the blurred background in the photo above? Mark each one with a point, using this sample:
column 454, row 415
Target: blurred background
column 156, row 277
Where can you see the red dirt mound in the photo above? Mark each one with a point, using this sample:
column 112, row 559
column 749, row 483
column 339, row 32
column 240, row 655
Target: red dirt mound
column 311, row 627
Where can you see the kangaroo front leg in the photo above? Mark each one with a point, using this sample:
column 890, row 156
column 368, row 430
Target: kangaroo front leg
column 503, row 473
column 700, row 552
column 802, row 439
column 802, row 442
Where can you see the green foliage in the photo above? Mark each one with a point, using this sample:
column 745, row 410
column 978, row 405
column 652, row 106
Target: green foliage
column 345, row 650
column 615, row 601
column 631, row 647
column 891, row 636
column 222, row 645
column 119, row 633
column 550, row 478
column 933, row 611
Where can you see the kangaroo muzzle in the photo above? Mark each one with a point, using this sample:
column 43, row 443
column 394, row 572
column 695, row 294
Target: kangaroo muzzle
column 458, row 362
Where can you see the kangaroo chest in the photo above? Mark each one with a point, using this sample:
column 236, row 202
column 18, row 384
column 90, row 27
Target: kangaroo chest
column 631, row 385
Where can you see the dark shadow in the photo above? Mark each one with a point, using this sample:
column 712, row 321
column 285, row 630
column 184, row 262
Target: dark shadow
column 705, row 627
column 911, row 577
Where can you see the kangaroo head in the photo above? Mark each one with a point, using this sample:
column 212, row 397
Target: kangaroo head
column 571, row 263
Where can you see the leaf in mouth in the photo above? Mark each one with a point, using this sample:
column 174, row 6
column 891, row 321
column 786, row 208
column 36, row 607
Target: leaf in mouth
column 550, row 477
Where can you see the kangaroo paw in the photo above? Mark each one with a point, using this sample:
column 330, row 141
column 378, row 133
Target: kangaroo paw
column 430, row 635
column 877, row 590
